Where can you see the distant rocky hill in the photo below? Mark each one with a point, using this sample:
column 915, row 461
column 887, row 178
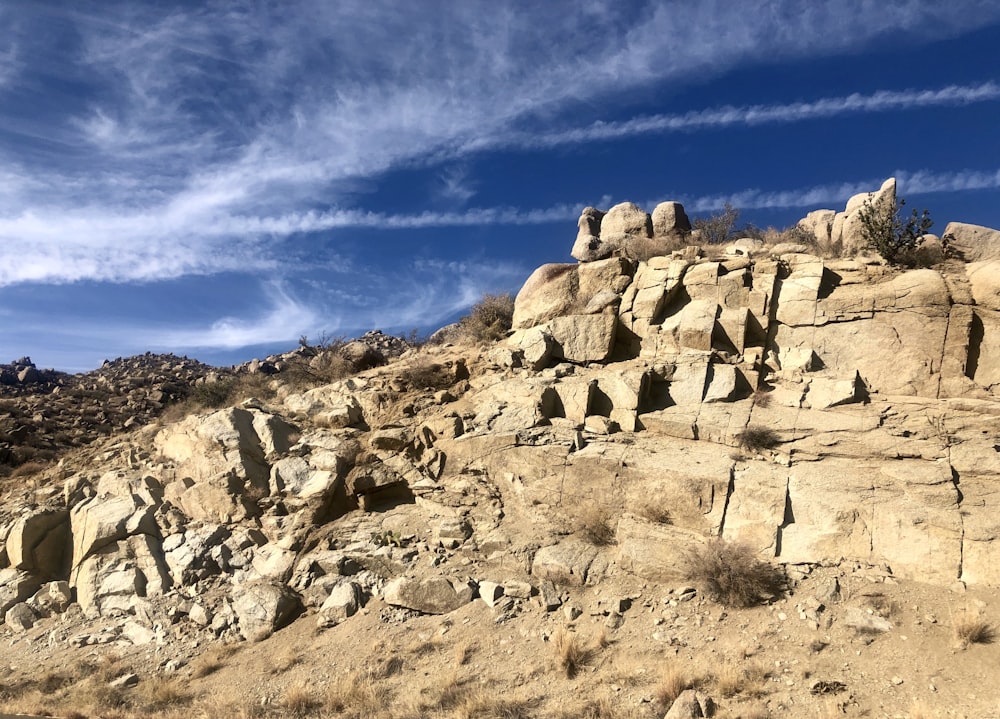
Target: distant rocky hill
column 834, row 418
column 44, row 412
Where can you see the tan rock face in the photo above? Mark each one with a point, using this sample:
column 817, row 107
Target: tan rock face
column 974, row 243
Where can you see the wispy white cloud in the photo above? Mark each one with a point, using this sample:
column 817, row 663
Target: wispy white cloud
column 456, row 185
column 206, row 132
column 275, row 316
column 750, row 115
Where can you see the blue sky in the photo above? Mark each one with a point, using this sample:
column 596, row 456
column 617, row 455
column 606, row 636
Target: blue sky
column 217, row 179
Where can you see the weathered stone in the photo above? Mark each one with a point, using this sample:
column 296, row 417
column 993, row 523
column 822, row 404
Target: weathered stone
column 691, row 704
column 490, row 593
column 565, row 563
column 342, row 603
column 973, row 243
column 549, row 292
column 263, row 607
column 536, row 345
column 669, row 218
column 624, row 221
column 984, row 278
column 434, row 594
column 589, row 248
column 101, row 521
column 52, row 598
column 583, row 338
column 16, row 587
column 20, row 617
column 39, row 542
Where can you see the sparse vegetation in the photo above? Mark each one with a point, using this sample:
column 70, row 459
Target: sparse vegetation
column 896, row 240
column 731, row 574
column 757, row 438
column 426, row 375
column 572, row 654
column 595, row 524
column 741, row 679
column 673, row 680
column 970, row 628
column 719, row 227
column 489, row 319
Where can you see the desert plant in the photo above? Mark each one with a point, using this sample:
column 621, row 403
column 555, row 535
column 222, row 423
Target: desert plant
column 731, row 574
column 673, row 680
column 299, row 700
column 424, row 374
column 594, row 523
column 719, row 227
column 757, row 438
column 885, row 232
column 971, row 628
column 572, row 654
column 745, row 679
column 489, row 319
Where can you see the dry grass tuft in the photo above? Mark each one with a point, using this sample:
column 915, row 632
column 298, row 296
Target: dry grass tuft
column 749, row 680
column 674, row 680
column 358, row 695
column 571, row 652
column 655, row 511
column 969, row 628
column 160, row 694
column 489, row 320
column 731, row 574
column 595, row 524
column 212, row 660
column 299, row 700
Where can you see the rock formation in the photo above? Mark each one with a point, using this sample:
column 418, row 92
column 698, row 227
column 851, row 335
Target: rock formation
column 823, row 412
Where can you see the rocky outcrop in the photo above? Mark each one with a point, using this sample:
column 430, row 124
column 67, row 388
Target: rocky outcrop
column 819, row 411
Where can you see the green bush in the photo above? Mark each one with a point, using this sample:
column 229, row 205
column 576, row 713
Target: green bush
column 885, row 232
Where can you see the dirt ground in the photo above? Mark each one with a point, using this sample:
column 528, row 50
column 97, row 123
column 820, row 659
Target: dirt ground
column 798, row 656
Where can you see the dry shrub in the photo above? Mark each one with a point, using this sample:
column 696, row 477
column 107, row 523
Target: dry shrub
column 489, row 320
column 673, row 680
column 731, row 574
column 655, row 511
column 969, row 628
column 734, row 679
column 426, row 375
column 595, row 524
column 358, row 695
column 482, row 704
column 757, row 438
column 882, row 605
column 159, row 694
column 600, row 708
column 572, row 654
column 463, row 652
column 719, row 227
column 213, row 660
column 446, row 695
column 299, row 700
column 761, row 398
column 29, row 468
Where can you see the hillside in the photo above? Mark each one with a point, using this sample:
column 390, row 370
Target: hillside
column 737, row 480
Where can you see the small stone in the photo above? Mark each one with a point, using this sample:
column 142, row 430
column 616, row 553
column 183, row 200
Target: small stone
column 125, row 681
column 571, row 612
